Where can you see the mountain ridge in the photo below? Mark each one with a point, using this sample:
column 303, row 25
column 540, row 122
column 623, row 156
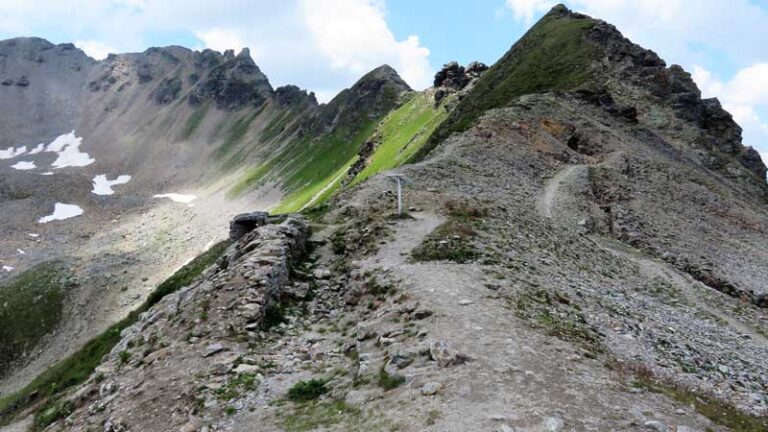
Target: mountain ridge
column 584, row 235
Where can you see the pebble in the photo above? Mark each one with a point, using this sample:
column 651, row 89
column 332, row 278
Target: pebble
column 553, row 424
column 431, row 388
column 655, row 425
column 213, row 349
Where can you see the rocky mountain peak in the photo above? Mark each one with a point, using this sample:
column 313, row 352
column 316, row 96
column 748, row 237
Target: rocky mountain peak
column 234, row 83
column 571, row 52
column 371, row 97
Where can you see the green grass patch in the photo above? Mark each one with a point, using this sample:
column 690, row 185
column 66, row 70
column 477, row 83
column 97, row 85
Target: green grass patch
column 236, row 386
column 554, row 55
column 313, row 194
column 313, row 416
column 76, row 368
column 30, row 308
column 304, row 391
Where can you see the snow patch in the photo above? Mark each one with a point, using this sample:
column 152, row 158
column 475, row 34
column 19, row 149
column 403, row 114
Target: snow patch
column 7, row 268
column 24, row 165
column 33, row 235
column 103, row 186
column 12, row 152
column 39, row 149
column 68, row 148
column 47, row 173
column 186, row 199
column 61, row 212
column 21, row 251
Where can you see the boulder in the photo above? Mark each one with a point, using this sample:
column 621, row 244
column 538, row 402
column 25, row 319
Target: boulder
column 244, row 223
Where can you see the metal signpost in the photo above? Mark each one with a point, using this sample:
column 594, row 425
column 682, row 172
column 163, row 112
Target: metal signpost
column 400, row 180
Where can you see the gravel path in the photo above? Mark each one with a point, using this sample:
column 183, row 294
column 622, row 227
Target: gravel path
column 516, row 377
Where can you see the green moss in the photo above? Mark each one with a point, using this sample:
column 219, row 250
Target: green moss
column 554, row 55
column 76, row 368
column 30, row 308
column 304, row 391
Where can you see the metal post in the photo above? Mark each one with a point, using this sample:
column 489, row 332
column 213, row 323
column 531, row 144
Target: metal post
column 399, row 197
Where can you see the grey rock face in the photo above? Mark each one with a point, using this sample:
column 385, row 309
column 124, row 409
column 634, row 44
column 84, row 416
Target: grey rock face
column 244, row 223
column 454, row 77
column 234, row 84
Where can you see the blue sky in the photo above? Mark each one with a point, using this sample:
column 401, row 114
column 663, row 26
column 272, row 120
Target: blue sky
column 325, row 45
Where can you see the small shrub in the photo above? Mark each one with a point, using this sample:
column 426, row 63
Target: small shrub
column 274, row 315
column 124, row 357
column 304, row 391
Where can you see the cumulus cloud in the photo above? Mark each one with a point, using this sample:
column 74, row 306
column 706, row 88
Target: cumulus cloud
column 95, row 49
column 354, row 36
column 321, row 45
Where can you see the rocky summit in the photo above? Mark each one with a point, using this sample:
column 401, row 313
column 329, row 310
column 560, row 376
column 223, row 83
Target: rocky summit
column 582, row 245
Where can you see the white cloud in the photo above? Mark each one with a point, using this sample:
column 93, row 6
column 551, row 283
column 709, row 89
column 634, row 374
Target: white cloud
column 221, row 39
column 525, row 10
column 353, row 35
column 95, row 49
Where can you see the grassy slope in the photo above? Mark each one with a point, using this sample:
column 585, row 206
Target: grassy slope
column 553, row 55
column 402, row 133
column 30, row 308
column 76, row 368
column 399, row 135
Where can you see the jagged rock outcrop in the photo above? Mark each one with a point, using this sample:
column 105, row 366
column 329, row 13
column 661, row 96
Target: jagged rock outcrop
column 291, row 95
column 454, row 77
column 236, row 83
column 244, row 223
